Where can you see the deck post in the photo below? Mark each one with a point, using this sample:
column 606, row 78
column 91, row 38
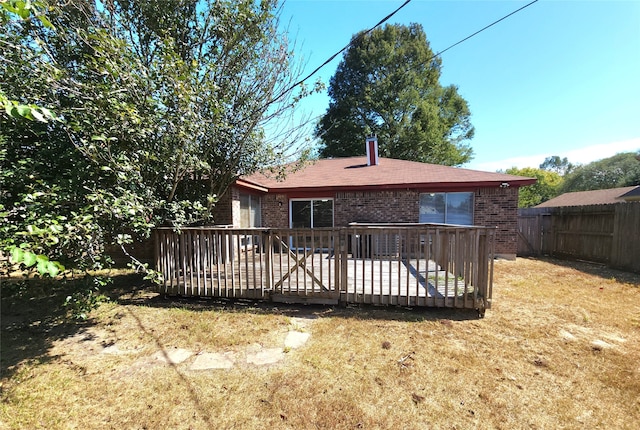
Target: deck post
column 268, row 258
column 341, row 267
column 485, row 271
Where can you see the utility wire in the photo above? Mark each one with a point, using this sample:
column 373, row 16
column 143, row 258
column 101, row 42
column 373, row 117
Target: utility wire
column 481, row 30
column 382, row 22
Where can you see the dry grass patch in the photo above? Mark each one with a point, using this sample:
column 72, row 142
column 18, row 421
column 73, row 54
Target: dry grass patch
column 559, row 349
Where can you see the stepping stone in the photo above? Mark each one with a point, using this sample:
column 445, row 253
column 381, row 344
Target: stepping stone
column 265, row 356
column 173, row 356
column 296, row 339
column 566, row 335
column 302, row 322
column 213, row 360
column 600, row 344
column 253, row 348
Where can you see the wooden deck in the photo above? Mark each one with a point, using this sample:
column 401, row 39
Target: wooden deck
column 420, row 266
column 407, row 282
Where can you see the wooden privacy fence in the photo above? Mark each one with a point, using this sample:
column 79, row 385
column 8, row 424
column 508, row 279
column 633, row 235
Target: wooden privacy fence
column 608, row 234
column 409, row 265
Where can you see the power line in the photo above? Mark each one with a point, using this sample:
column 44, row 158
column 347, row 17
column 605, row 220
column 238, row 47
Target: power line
column 382, row 21
column 482, row 29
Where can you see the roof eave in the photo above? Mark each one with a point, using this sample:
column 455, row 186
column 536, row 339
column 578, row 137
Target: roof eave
column 251, row 185
column 432, row 186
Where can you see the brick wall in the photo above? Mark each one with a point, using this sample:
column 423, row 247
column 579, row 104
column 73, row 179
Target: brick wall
column 235, row 207
column 498, row 207
column 227, row 208
column 222, row 213
column 381, row 206
column 275, row 210
column 493, row 207
column 142, row 251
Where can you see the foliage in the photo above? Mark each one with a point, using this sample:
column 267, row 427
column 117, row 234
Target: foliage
column 561, row 166
column 41, row 263
column 158, row 106
column 82, row 301
column 388, row 84
column 30, row 111
column 544, row 189
column 621, row 170
column 25, row 9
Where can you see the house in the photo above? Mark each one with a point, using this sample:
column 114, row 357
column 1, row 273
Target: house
column 372, row 189
column 594, row 197
column 632, row 195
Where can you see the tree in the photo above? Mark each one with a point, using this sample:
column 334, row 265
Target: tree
column 621, row 170
column 24, row 10
column 556, row 164
column 544, row 189
column 388, row 84
column 161, row 105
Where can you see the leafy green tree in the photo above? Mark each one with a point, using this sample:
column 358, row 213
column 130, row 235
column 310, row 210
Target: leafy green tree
column 544, row 189
column 621, row 170
column 25, row 10
column 388, row 84
column 556, row 164
column 160, row 106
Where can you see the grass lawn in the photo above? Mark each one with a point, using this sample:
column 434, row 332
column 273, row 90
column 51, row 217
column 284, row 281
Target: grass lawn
column 559, row 349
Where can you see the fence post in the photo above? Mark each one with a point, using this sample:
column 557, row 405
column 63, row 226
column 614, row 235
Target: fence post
column 160, row 257
column 615, row 240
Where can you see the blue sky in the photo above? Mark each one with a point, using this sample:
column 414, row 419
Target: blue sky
column 557, row 78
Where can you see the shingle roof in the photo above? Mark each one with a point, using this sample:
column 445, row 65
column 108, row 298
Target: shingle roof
column 634, row 194
column 352, row 173
column 595, row 197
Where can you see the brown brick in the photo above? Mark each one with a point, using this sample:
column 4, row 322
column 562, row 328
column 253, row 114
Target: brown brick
column 493, row 207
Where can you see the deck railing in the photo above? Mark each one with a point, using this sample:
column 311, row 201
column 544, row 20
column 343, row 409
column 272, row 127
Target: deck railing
column 402, row 264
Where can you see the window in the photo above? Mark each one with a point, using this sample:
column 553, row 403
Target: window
column 311, row 213
column 447, row 208
column 249, row 211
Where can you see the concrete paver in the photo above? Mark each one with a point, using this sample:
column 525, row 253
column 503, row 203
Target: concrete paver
column 213, row 360
column 254, row 354
column 266, row 356
column 296, row 339
column 173, row 356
